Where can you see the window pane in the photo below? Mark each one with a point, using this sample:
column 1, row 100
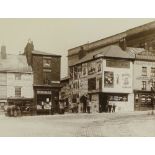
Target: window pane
column 46, row 62
column 17, row 91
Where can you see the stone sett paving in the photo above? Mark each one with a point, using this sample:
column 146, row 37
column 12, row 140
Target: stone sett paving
column 79, row 125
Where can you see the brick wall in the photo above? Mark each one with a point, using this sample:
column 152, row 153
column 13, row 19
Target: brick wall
column 55, row 64
column 38, row 69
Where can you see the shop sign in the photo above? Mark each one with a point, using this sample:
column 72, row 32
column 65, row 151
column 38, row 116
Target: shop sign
column 43, row 92
column 145, row 63
column 118, row 63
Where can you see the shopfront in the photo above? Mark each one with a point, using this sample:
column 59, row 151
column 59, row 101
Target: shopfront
column 46, row 99
column 122, row 101
column 143, row 100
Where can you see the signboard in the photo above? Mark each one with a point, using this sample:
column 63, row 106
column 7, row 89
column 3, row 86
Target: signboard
column 44, row 92
column 118, row 63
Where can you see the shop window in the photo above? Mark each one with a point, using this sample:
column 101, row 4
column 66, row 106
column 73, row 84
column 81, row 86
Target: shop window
column 145, row 100
column 118, row 97
column 17, row 76
column 144, row 71
column 92, row 84
column 17, row 91
column 152, row 71
column 143, row 85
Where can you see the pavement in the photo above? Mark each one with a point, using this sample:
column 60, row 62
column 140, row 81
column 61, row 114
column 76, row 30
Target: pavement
column 133, row 124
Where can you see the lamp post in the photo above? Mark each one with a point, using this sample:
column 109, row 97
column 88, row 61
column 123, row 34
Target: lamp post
column 153, row 98
column 152, row 95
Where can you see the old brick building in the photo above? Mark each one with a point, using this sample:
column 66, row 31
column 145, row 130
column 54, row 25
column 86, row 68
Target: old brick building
column 46, row 71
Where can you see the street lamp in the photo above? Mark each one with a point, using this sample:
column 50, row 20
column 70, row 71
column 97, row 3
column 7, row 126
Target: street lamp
column 153, row 98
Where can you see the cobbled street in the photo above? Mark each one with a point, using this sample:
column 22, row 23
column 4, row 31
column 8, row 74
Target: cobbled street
column 79, row 125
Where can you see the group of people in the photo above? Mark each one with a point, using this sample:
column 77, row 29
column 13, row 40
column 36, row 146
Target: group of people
column 80, row 106
column 111, row 107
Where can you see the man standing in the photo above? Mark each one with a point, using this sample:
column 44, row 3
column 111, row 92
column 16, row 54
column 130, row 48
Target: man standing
column 88, row 106
column 109, row 106
column 113, row 107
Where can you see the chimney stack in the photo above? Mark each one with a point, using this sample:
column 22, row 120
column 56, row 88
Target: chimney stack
column 3, row 52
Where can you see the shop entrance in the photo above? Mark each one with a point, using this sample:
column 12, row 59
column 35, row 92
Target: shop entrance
column 44, row 102
column 103, row 102
column 116, row 98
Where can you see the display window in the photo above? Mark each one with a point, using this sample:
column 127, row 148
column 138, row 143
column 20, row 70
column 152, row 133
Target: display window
column 119, row 97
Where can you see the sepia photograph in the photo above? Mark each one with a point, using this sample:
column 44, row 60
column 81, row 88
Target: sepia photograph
column 85, row 77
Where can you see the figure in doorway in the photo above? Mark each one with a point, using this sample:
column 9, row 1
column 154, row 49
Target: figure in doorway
column 113, row 107
column 109, row 106
column 88, row 106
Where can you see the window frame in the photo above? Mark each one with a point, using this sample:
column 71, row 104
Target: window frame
column 144, row 71
column 18, row 91
column 143, row 85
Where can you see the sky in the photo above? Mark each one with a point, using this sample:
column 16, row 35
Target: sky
column 58, row 35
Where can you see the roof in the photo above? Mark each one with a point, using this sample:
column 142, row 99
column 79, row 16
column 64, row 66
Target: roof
column 113, row 39
column 112, row 51
column 36, row 52
column 15, row 63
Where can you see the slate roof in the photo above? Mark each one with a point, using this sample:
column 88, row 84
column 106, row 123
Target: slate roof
column 44, row 53
column 15, row 63
column 112, row 51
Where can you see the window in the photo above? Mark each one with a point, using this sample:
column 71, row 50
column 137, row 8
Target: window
column 92, row 84
column 152, row 71
column 153, row 84
column 118, row 97
column 46, row 62
column 144, row 71
column 143, row 85
column 17, row 91
column 47, row 76
column 17, row 76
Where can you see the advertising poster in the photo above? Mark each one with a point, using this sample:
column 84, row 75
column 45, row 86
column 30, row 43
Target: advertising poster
column 84, row 69
column 83, row 86
column 91, row 68
column 99, row 66
column 108, row 79
column 126, row 81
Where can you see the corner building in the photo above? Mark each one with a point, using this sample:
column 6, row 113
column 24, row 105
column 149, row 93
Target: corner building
column 104, row 76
